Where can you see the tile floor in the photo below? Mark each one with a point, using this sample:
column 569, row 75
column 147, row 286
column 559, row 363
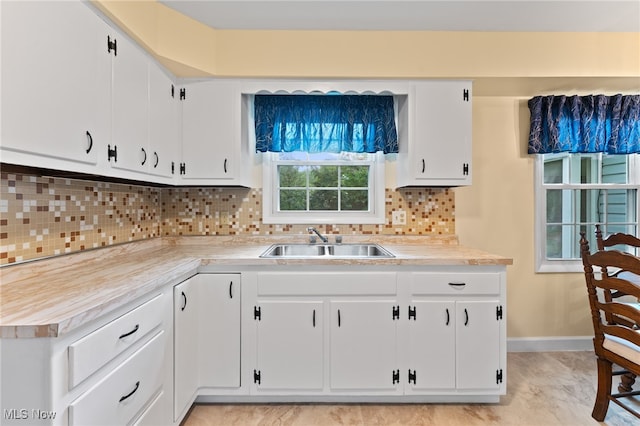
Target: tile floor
column 543, row 389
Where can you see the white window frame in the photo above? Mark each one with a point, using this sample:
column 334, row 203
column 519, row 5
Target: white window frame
column 542, row 263
column 271, row 214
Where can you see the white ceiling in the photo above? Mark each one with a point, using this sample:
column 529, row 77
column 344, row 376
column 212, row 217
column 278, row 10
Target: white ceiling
column 418, row 15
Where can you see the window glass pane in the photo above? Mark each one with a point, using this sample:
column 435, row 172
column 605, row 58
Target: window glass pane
column 590, row 208
column 323, row 177
column 354, row 176
column 615, row 169
column 563, row 241
column 293, row 199
column 292, row 176
column 354, row 200
column 553, row 171
column 554, row 241
column 554, row 205
column 321, row 199
column 587, row 169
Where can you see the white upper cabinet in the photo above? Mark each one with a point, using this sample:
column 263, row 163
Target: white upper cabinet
column 163, row 153
column 56, row 82
column 438, row 152
column 212, row 149
column 129, row 107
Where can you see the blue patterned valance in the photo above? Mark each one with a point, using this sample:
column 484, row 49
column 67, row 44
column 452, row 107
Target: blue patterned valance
column 585, row 124
column 325, row 123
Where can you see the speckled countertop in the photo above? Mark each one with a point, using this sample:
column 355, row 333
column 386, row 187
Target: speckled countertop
column 50, row 297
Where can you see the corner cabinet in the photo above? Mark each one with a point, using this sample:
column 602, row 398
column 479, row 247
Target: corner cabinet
column 212, row 148
column 438, row 152
column 206, row 337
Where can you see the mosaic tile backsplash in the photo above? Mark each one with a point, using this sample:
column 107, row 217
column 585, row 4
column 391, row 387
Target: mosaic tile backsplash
column 45, row 216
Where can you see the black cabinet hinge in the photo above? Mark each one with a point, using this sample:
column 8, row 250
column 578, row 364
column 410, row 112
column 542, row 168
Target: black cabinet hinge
column 183, row 168
column 257, row 313
column 112, row 45
column 465, row 95
column 257, row 376
column 112, row 153
column 183, row 94
column 499, row 376
column 395, row 377
column 412, row 313
column 412, row 376
column 499, row 312
column 465, row 169
column 395, row 313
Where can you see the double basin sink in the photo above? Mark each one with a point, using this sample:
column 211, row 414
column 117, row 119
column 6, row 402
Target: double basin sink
column 286, row 251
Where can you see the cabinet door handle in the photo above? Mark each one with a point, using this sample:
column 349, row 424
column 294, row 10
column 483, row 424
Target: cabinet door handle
column 130, row 333
column 155, row 154
column 184, row 304
column 130, row 393
column 90, row 140
column 339, row 318
column 466, row 317
column 447, row 316
column 144, row 160
column 225, row 165
column 423, row 165
column 314, row 318
column 231, row 290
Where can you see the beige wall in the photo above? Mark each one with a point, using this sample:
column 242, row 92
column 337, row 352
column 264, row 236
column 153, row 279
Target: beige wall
column 496, row 213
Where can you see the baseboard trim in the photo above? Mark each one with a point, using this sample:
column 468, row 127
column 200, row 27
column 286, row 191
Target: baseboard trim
column 549, row 344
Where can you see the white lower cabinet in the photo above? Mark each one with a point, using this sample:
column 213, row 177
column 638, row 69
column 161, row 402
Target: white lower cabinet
column 125, row 391
column 290, row 345
column 423, row 333
column 206, row 336
column 363, row 345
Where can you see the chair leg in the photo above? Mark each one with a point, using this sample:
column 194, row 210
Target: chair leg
column 601, row 405
column 626, row 382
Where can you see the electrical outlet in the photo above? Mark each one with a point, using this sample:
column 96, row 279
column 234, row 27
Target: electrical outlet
column 399, row 217
column 224, row 218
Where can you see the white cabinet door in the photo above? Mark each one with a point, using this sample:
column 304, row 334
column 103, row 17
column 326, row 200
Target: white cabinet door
column 129, row 104
column 477, row 344
column 55, row 85
column 439, row 151
column 185, row 317
column 219, row 330
column 164, row 124
column 363, row 346
column 432, row 356
column 289, row 346
column 211, row 133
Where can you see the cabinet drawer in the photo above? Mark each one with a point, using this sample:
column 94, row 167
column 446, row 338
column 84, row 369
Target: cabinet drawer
column 327, row 284
column 459, row 283
column 99, row 347
column 120, row 396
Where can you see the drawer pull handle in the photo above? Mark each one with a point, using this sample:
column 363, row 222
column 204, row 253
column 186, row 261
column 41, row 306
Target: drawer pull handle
column 131, row 332
column 457, row 284
column 184, row 298
column 466, row 318
column 122, row 398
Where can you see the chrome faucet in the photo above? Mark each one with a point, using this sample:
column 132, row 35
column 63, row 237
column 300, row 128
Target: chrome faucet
column 322, row 237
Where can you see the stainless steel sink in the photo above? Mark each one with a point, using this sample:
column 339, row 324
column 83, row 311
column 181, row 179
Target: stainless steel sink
column 329, row 250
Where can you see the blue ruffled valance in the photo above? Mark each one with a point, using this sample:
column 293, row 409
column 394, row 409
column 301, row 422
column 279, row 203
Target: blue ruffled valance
column 585, row 124
column 325, row 123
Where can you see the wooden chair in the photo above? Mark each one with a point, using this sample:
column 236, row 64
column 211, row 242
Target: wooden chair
column 629, row 243
column 615, row 341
